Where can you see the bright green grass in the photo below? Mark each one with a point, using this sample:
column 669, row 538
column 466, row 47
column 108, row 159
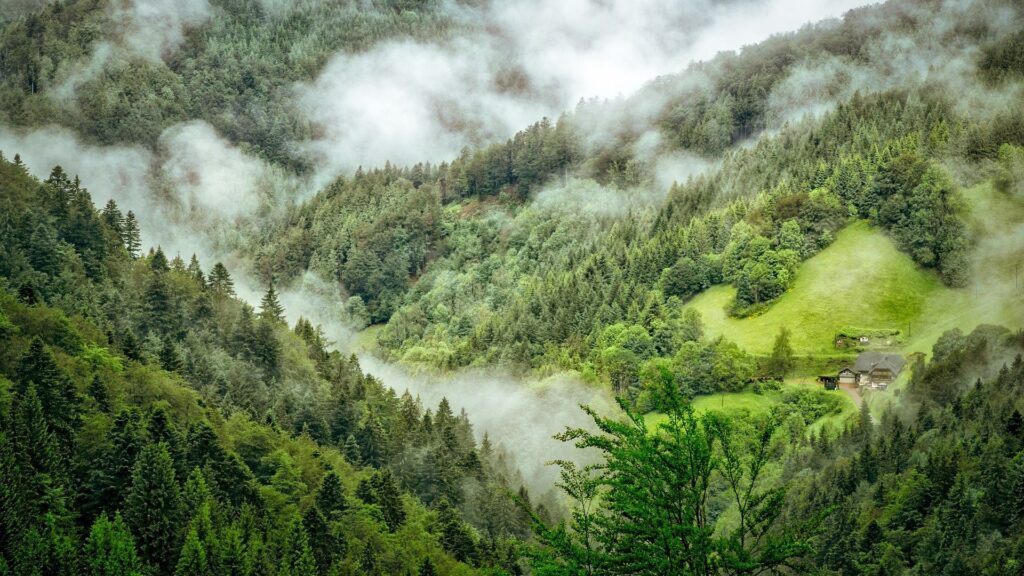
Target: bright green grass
column 860, row 280
column 863, row 280
column 995, row 297
column 746, row 404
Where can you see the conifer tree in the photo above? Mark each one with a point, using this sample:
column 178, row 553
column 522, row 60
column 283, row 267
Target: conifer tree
column 98, row 392
column 110, row 549
column 158, row 262
column 195, row 271
column 427, row 568
column 14, row 505
column 153, row 508
column 265, row 348
column 455, row 537
column 389, row 498
column 353, row 454
column 270, row 306
column 58, row 395
column 113, row 217
column 330, row 499
column 159, row 306
column 220, row 281
column 321, row 542
column 169, row 359
column 38, row 455
column 111, row 477
column 195, row 494
column 296, row 556
column 131, row 235
column 192, row 561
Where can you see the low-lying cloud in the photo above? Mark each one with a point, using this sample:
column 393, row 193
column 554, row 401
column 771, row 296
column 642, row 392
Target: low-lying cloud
column 406, row 102
column 155, row 28
column 520, row 416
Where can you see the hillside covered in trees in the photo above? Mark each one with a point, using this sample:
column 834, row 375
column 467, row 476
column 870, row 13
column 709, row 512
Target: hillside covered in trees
column 268, row 197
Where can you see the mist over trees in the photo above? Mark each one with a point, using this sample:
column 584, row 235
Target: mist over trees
column 164, row 409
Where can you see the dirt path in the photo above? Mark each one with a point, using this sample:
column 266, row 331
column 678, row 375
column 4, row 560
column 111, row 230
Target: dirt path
column 854, row 392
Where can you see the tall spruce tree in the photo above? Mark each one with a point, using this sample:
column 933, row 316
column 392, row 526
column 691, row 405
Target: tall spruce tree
column 131, row 236
column 270, row 306
column 153, row 508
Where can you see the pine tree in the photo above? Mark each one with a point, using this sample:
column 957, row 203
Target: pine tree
column 195, row 271
column 388, row 498
column 195, row 494
column 158, row 262
column 14, row 505
column 353, row 454
column 265, row 348
column 296, row 556
column 110, row 549
column 98, row 392
column 37, row 452
column 113, row 217
column 192, row 561
column 220, row 281
column 132, row 236
column 270, row 306
column 330, row 499
column 57, row 394
column 49, row 548
column 159, row 306
column 153, row 507
column 321, row 542
column 111, row 478
column 455, row 537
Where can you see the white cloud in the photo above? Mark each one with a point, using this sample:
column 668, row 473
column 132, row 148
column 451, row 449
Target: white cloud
column 154, row 28
column 407, row 102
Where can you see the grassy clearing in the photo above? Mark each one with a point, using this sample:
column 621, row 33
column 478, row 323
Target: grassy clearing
column 748, row 404
column 863, row 280
column 860, row 280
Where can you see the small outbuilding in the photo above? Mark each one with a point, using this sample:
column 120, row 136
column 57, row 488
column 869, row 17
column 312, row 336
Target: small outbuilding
column 847, row 376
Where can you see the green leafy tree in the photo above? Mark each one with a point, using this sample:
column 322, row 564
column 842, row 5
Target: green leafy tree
column 781, row 360
column 652, row 513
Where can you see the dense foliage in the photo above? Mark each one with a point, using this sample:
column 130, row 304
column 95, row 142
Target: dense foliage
column 154, row 423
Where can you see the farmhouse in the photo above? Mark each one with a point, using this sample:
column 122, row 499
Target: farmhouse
column 873, row 370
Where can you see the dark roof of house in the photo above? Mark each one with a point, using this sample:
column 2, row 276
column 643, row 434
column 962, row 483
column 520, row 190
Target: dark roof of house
column 846, row 369
column 868, row 361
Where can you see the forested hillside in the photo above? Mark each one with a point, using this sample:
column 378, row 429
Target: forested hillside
column 155, row 423
column 410, row 177
column 476, row 262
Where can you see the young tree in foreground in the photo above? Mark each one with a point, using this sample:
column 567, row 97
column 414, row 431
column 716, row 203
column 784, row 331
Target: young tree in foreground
column 645, row 510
